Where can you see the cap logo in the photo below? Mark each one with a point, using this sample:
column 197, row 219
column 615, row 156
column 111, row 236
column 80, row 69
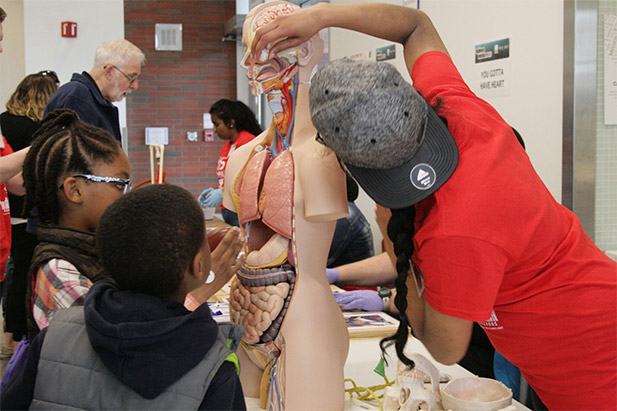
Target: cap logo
column 422, row 176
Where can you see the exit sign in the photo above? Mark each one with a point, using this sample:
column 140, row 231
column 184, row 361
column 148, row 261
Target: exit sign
column 69, row 29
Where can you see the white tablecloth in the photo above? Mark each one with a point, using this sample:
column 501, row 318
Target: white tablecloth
column 364, row 355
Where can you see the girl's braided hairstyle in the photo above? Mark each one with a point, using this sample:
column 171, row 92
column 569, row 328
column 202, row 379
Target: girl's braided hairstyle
column 401, row 231
column 63, row 146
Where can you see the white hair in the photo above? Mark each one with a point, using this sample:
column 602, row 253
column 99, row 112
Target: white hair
column 118, row 53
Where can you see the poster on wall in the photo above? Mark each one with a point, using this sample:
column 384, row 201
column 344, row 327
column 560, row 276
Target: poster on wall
column 610, row 69
column 492, row 63
column 385, row 53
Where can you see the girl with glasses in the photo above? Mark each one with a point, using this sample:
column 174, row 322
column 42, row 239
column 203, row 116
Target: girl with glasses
column 72, row 173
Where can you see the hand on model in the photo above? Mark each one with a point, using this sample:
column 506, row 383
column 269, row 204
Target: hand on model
column 367, row 300
column 295, row 29
column 225, row 263
column 210, row 197
column 225, row 259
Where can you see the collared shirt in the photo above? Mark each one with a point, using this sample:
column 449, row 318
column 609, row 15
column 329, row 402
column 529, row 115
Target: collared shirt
column 58, row 285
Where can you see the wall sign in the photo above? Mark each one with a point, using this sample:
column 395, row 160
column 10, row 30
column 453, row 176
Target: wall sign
column 492, row 68
column 385, row 53
column 69, row 29
column 157, row 135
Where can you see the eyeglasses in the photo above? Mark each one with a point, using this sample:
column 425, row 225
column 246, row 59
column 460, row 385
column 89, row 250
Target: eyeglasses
column 121, row 183
column 131, row 79
column 51, row 74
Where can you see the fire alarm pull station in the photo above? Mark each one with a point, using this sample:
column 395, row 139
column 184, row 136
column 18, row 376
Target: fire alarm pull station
column 69, row 29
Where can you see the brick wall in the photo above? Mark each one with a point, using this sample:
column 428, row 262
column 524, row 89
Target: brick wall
column 177, row 87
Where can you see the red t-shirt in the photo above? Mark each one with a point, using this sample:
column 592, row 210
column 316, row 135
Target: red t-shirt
column 495, row 247
column 5, row 220
column 227, row 149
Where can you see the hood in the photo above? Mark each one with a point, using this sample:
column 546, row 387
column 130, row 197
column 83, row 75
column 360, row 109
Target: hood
column 147, row 343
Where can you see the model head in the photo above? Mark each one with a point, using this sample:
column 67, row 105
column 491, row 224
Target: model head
column 31, row 95
column 149, row 239
column 73, row 171
column 116, row 69
column 267, row 73
column 230, row 117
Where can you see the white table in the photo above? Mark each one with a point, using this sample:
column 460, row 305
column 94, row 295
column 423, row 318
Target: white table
column 364, row 355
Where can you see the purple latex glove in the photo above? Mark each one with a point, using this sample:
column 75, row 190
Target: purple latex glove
column 332, row 275
column 367, row 300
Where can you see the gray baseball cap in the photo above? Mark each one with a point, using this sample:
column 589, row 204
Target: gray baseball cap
column 380, row 127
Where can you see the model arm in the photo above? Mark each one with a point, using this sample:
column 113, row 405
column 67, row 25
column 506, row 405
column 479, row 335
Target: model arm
column 11, row 165
column 410, row 27
column 446, row 337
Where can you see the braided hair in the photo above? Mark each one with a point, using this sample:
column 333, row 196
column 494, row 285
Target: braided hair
column 63, row 145
column 401, row 231
column 244, row 118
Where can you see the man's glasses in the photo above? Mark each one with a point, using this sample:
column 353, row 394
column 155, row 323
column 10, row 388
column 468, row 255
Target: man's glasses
column 121, row 183
column 131, row 79
column 51, row 74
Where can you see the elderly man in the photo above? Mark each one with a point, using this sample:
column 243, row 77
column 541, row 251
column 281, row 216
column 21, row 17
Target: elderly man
column 115, row 73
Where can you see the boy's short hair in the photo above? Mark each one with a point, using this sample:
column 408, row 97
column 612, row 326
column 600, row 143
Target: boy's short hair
column 149, row 237
column 2, row 15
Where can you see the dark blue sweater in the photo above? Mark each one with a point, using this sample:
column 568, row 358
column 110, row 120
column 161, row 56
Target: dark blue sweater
column 83, row 95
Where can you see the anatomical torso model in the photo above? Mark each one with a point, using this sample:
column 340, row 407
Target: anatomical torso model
column 288, row 191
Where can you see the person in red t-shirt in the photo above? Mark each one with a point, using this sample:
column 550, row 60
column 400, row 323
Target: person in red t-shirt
column 479, row 234
column 235, row 122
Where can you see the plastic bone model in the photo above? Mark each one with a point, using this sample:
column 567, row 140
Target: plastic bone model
column 409, row 392
column 288, row 192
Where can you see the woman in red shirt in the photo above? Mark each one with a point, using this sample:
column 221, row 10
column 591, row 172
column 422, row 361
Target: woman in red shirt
column 235, row 122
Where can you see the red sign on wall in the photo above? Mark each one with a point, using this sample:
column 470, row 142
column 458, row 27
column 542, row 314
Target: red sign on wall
column 69, row 29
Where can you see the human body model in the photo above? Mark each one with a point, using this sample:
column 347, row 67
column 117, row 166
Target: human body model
column 288, row 192
column 487, row 240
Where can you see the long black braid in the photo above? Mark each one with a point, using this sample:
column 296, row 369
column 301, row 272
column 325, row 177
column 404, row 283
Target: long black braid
column 63, row 145
column 401, row 231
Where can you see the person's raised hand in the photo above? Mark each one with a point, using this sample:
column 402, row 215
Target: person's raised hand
column 291, row 29
column 367, row 300
column 225, row 257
